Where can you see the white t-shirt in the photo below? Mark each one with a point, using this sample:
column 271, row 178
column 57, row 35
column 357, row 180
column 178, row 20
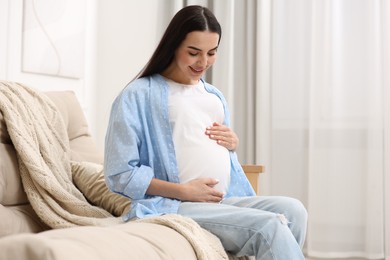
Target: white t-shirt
column 191, row 110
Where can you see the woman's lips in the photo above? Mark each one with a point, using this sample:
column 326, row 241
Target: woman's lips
column 197, row 71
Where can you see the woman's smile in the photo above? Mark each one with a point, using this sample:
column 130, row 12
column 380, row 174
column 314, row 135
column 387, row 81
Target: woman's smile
column 198, row 70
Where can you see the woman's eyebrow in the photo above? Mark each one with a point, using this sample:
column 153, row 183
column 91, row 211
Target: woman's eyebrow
column 197, row 49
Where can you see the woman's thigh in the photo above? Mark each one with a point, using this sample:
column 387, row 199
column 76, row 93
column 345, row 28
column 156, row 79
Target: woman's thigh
column 236, row 219
column 242, row 230
column 288, row 209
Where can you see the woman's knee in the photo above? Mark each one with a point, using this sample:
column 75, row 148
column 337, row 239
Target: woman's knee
column 298, row 208
column 292, row 208
column 296, row 215
column 271, row 228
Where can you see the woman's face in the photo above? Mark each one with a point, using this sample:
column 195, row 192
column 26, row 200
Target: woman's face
column 193, row 57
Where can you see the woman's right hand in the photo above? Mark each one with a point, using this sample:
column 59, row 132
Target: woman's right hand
column 198, row 190
column 201, row 190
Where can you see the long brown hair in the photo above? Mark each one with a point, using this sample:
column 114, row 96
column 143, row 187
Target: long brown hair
column 189, row 19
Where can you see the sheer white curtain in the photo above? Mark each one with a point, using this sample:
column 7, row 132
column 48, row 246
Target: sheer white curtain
column 308, row 83
column 346, row 155
column 328, row 120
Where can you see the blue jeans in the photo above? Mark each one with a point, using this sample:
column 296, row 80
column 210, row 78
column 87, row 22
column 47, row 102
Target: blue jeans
column 267, row 227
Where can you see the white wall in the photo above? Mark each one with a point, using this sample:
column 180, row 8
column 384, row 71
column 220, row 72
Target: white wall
column 11, row 30
column 120, row 36
column 3, row 37
column 127, row 34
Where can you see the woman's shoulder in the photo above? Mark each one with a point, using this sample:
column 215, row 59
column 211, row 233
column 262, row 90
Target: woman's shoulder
column 141, row 85
column 211, row 88
column 136, row 85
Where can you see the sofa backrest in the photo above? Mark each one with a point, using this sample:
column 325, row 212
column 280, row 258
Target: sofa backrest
column 16, row 213
column 82, row 145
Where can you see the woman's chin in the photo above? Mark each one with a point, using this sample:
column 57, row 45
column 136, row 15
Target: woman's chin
column 196, row 76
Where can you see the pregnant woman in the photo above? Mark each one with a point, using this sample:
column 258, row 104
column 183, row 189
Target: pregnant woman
column 170, row 149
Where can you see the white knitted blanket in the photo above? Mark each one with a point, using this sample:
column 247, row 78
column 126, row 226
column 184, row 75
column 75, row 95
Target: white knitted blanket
column 40, row 138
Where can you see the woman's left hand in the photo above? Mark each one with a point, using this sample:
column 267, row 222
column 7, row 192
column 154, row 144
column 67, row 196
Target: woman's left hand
column 223, row 135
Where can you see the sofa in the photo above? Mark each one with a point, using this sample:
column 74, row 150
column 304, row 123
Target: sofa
column 23, row 235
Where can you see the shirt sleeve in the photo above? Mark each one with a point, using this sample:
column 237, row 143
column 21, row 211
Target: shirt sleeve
column 124, row 172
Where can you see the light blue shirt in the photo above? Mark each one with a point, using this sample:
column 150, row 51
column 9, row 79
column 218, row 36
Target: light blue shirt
column 139, row 147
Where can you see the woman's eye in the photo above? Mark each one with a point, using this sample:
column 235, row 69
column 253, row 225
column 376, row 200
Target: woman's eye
column 211, row 53
column 193, row 54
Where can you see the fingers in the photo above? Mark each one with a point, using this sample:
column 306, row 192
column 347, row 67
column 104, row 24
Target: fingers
column 229, row 144
column 223, row 135
column 211, row 182
column 202, row 190
column 215, row 196
column 215, row 199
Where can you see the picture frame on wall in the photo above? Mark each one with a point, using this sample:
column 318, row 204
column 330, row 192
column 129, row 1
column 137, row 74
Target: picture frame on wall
column 53, row 38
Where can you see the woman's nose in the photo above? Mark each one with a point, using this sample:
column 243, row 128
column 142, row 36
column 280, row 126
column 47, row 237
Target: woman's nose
column 202, row 60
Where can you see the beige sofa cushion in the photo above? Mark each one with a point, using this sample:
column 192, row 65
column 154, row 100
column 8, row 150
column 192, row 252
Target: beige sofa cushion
column 125, row 241
column 89, row 179
column 15, row 219
column 11, row 188
column 82, row 145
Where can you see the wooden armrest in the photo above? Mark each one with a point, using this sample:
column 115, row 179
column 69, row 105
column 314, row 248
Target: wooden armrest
column 253, row 168
column 252, row 172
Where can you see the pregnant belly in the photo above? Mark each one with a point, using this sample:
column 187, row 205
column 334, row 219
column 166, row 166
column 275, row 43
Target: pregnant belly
column 208, row 160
